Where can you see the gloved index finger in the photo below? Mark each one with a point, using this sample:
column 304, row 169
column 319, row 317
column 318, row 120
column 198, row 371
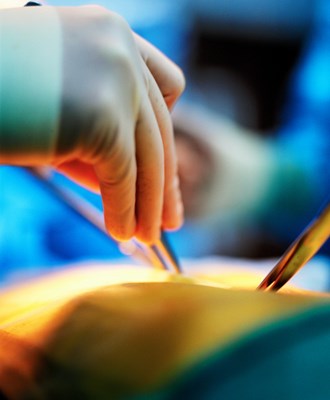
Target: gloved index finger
column 168, row 75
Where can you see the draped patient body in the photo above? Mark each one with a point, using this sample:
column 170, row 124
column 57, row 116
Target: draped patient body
column 101, row 332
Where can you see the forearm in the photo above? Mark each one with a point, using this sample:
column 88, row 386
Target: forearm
column 29, row 87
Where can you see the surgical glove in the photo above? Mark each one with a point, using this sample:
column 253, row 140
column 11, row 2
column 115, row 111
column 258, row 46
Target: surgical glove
column 237, row 168
column 81, row 92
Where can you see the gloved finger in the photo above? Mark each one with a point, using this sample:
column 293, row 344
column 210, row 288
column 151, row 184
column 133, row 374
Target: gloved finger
column 168, row 75
column 172, row 215
column 117, row 177
column 80, row 172
column 150, row 179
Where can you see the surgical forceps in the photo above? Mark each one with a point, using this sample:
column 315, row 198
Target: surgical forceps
column 160, row 254
column 300, row 252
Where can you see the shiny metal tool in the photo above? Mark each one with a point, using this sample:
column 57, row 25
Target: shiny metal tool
column 300, row 252
column 160, row 255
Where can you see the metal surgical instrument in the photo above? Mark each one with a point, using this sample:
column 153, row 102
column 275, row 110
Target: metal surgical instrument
column 160, row 255
column 300, row 252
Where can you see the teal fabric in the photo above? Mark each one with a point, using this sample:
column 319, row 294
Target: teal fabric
column 287, row 360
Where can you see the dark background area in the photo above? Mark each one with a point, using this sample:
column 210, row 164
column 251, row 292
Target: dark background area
column 264, row 66
column 243, row 55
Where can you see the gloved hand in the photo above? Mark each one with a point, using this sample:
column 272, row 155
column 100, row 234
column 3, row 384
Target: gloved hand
column 235, row 169
column 81, row 92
